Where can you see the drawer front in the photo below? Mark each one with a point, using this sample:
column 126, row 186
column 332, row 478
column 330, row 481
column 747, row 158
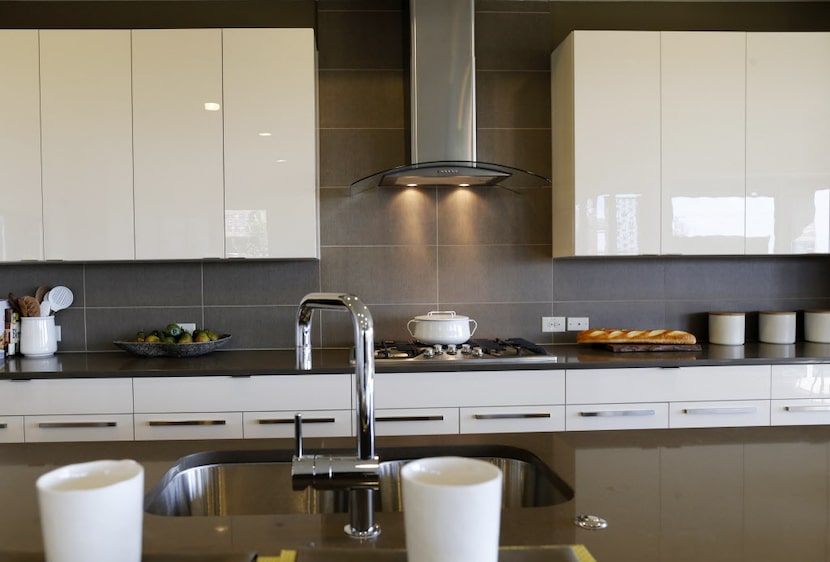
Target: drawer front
column 471, row 388
column 801, row 381
column 800, row 412
column 737, row 413
column 418, row 421
column 11, row 429
column 592, row 386
column 193, row 425
column 644, row 415
column 512, row 419
column 733, row 382
column 320, row 423
column 82, row 427
column 66, row 396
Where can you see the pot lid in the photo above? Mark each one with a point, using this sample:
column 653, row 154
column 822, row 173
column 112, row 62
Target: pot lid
column 441, row 316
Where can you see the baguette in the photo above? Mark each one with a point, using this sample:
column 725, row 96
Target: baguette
column 636, row 336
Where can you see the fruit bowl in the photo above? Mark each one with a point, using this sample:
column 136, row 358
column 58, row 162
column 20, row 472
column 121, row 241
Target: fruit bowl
column 160, row 349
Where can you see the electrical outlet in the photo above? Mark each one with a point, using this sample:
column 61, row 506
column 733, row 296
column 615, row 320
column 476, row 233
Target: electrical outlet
column 187, row 326
column 553, row 323
column 577, row 323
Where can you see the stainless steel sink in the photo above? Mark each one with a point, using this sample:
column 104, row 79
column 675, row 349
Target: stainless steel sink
column 259, row 482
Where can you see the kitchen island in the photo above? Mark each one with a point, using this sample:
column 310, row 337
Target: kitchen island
column 741, row 494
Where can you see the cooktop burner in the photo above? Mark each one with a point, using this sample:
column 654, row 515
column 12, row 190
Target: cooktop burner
column 481, row 350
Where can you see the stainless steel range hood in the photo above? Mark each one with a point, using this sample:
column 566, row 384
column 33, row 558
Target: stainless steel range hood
column 442, row 99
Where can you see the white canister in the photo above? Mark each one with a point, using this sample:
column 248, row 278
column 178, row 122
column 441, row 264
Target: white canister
column 38, row 336
column 727, row 328
column 776, row 327
column 817, row 326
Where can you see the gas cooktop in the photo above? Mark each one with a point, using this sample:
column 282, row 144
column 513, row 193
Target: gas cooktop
column 475, row 350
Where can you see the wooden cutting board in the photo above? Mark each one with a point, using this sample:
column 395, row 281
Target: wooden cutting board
column 630, row 347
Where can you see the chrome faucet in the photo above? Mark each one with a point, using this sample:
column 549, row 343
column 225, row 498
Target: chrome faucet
column 360, row 473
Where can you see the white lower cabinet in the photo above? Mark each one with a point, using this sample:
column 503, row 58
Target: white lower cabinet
column 79, row 427
column 512, row 419
column 192, row 425
column 11, row 429
column 637, row 415
column 800, row 394
column 416, row 421
column 736, row 413
column 802, row 411
column 319, row 423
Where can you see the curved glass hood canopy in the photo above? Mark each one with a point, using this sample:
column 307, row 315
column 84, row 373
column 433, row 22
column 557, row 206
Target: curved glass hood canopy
column 442, row 101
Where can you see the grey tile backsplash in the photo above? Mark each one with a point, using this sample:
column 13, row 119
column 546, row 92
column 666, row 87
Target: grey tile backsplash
column 485, row 254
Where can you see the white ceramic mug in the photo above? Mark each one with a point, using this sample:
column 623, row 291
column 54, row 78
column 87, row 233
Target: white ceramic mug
column 776, row 327
column 817, row 326
column 727, row 328
column 451, row 509
column 38, row 336
column 92, row 512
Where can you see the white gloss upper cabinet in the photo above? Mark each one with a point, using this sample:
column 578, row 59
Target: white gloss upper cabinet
column 177, row 132
column 86, row 133
column 21, row 218
column 270, row 131
column 703, row 125
column 788, row 143
column 606, row 143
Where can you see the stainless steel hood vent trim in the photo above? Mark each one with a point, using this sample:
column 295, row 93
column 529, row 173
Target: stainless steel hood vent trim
column 442, row 100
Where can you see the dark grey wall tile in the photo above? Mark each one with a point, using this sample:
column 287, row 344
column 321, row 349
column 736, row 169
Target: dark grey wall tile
column 494, row 216
column 254, row 327
column 103, row 325
column 526, row 149
column 722, row 278
column 390, row 323
column 508, row 99
column 362, row 99
column 23, row 279
column 626, row 315
column 382, row 274
column 347, row 155
column 361, row 39
column 259, row 282
column 609, row 279
column 73, row 329
column 387, row 216
column 144, row 284
column 513, row 40
column 480, row 274
column 499, row 320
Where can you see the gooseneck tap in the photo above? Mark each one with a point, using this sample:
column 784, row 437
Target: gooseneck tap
column 359, row 473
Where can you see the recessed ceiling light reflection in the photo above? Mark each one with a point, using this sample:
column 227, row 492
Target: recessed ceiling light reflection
column 212, row 106
column 264, row 134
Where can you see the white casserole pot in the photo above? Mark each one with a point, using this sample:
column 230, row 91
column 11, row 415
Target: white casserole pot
column 444, row 327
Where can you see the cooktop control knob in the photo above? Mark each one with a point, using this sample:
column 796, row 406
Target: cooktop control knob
column 465, row 348
column 439, row 349
column 451, row 349
column 478, row 352
column 428, row 352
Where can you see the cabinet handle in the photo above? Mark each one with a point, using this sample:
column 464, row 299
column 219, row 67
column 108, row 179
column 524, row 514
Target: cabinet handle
column 716, row 411
column 164, row 423
column 4, row 425
column 510, row 416
column 617, row 413
column 75, row 425
column 272, row 421
column 816, row 408
column 410, row 419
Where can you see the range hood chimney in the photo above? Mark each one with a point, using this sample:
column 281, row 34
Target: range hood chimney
column 442, row 100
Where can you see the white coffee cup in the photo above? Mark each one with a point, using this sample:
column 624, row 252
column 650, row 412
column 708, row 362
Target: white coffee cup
column 817, row 326
column 452, row 509
column 727, row 328
column 92, row 512
column 38, row 336
column 776, row 327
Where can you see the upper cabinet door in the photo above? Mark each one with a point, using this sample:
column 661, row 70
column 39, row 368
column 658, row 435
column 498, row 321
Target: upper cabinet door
column 177, row 124
column 703, row 126
column 606, row 148
column 788, row 143
column 87, row 153
column 270, row 111
column 21, row 218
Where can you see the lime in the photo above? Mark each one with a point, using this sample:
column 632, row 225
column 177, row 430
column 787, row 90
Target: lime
column 173, row 330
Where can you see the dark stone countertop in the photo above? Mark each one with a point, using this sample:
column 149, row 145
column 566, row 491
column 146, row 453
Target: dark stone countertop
column 248, row 363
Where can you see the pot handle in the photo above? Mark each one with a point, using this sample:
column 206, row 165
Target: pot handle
column 408, row 329
column 475, row 326
column 450, row 312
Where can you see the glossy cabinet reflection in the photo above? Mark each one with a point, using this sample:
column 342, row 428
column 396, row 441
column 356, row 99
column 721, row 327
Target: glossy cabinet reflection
column 86, row 135
column 177, row 138
column 788, row 143
column 740, row 146
column 606, row 127
column 21, row 219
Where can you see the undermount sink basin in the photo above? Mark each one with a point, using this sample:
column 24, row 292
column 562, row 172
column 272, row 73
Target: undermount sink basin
column 259, row 482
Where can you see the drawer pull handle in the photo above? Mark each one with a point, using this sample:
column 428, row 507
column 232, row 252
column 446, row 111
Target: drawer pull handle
column 718, row 411
column 164, row 423
column 410, row 419
column 4, row 425
column 816, row 408
column 510, row 416
column 274, row 421
column 617, row 413
column 75, row 425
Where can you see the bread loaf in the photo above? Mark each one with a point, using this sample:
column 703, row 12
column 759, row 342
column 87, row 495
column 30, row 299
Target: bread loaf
column 636, row 336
